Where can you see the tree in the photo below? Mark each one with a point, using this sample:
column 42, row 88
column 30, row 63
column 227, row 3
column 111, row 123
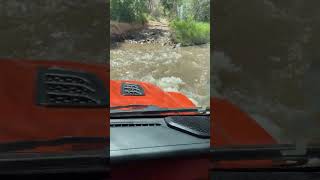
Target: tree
column 128, row 10
column 201, row 10
column 170, row 7
column 196, row 9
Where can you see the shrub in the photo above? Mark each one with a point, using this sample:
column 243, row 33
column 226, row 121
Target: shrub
column 128, row 11
column 190, row 32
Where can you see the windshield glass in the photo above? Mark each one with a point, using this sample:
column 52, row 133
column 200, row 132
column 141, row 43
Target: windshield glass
column 265, row 74
column 52, row 56
column 48, row 31
column 150, row 49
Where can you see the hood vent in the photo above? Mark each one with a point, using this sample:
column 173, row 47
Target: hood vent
column 62, row 87
column 129, row 89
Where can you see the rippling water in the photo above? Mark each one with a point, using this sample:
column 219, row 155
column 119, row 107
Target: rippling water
column 184, row 69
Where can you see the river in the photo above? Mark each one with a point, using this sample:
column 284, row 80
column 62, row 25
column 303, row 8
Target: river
column 181, row 69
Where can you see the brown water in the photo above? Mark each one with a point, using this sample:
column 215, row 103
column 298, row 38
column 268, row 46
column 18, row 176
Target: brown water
column 183, row 69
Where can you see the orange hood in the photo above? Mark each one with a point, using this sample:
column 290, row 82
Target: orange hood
column 22, row 119
column 232, row 126
column 153, row 95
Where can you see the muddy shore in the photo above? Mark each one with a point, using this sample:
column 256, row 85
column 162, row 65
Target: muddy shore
column 154, row 32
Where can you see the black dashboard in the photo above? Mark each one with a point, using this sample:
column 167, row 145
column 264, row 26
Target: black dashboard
column 153, row 138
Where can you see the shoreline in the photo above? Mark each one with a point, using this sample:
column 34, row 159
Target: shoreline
column 153, row 32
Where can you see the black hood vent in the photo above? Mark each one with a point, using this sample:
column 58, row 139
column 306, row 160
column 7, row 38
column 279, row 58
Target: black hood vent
column 129, row 89
column 62, row 87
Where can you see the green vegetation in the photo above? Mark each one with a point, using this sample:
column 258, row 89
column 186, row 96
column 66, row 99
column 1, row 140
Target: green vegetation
column 189, row 32
column 128, row 10
column 189, row 19
column 198, row 10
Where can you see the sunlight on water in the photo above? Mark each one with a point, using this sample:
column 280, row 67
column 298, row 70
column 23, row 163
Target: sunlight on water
column 184, row 69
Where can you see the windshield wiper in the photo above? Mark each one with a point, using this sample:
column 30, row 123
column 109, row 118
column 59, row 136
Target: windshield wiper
column 132, row 106
column 146, row 110
column 264, row 152
column 93, row 160
column 25, row 145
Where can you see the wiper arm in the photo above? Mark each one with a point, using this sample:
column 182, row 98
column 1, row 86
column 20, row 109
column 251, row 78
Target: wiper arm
column 24, row 145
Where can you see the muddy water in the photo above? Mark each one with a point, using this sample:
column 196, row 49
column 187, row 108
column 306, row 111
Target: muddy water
column 183, row 69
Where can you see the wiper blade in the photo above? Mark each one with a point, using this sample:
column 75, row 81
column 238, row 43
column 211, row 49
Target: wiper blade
column 24, row 145
column 263, row 152
column 95, row 161
column 154, row 111
column 132, row 106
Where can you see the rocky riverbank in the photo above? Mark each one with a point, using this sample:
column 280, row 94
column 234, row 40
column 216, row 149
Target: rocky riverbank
column 155, row 32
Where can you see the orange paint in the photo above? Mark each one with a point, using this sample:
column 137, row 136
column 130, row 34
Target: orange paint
column 153, row 96
column 22, row 119
column 231, row 126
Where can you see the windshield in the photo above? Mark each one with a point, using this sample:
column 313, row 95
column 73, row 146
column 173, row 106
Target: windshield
column 155, row 56
column 265, row 74
column 52, row 72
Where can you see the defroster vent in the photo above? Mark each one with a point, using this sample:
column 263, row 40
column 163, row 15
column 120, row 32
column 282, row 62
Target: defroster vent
column 194, row 125
column 62, row 87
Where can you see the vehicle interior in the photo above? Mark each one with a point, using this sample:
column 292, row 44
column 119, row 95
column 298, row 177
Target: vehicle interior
column 171, row 138
column 74, row 107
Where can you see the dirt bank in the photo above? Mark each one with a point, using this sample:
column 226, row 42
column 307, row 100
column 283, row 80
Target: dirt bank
column 153, row 32
column 119, row 30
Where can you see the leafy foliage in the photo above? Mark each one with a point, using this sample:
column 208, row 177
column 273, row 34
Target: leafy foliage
column 129, row 10
column 201, row 10
column 183, row 9
column 189, row 18
column 190, row 32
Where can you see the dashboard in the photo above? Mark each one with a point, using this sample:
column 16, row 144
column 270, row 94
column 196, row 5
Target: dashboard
column 137, row 139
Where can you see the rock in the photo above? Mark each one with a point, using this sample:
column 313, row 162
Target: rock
column 151, row 36
column 177, row 45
